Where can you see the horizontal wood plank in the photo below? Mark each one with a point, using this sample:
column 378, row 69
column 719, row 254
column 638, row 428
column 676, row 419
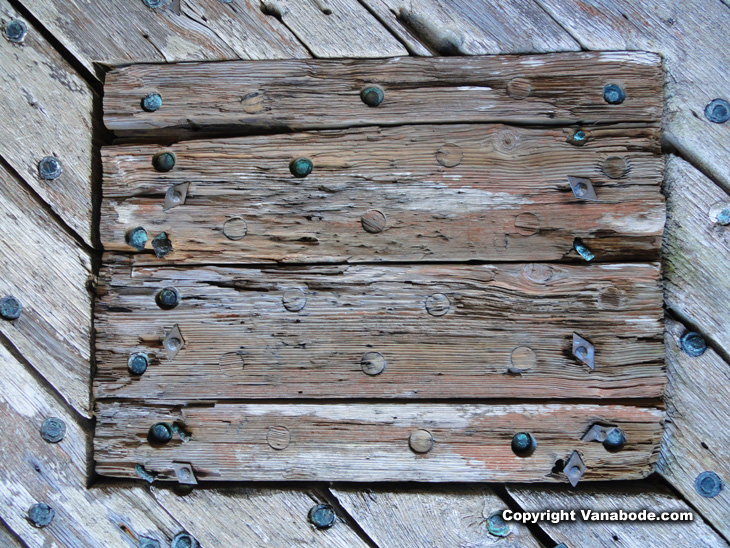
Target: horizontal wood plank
column 564, row 88
column 353, row 442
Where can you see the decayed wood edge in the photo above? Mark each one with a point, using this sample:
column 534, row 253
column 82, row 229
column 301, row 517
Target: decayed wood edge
column 438, row 516
column 325, row 94
column 696, row 438
column 48, row 111
column 429, row 27
column 356, row 442
column 47, row 271
column 696, row 247
column 697, row 64
column 230, row 316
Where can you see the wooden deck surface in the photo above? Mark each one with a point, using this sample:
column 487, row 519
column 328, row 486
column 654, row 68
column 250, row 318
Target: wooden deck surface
column 52, row 79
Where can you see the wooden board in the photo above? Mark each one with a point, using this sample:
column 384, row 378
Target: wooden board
column 358, row 442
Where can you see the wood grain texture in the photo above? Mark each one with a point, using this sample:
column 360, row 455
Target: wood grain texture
column 242, row 342
column 609, row 534
column 690, row 36
column 696, row 439
column 566, row 88
column 507, row 197
column 47, row 272
column 355, row 442
column 47, row 112
column 424, row 518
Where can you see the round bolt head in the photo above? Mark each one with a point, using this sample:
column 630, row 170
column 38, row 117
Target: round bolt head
column 50, row 168
column 615, row 440
column 322, row 516
column 613, row 94
column 154, row 4
column 372, row 96
column 723, row 217
column 160, row 432
column 523, row 444
column 152, row 102
column 15, row 31
column 294, row 299
column 708, row 484
column 145, row 542
column 718, row 111
column 579, row 136
column 164, row 161
column 693, row 344
column 10, row 308
column 497, row 526
column 301, row 167
column 421, row 441
column 173, row 344
column 137, row 363
column 137, row 237
column 437, row 304
column 53, row 430
column 373, row 363
column 373, row 221
column 167, row 298
column 40, row 515
column 184, row 540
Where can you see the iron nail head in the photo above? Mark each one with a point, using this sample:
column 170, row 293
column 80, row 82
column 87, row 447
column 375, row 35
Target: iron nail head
column 708, row 484
column 50, row 168
column 372, row 96
column 53, row 430
column 10, row 308
column 613, row 94
column 15, row 31
column 40, row 514
column 693, row 344
column 717, row 111
column 322, row 516
column 152, row 102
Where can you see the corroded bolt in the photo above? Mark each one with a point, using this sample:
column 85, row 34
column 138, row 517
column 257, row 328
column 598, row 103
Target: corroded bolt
column 137, row 237
column 613, row 94
column 579, row 135
column 723, row 218
column 322, row 516
column 145, row 542
column 160, row 432
column 40, row 515
column 15, row 31
column 10, row 308
column 184, row 540
column 50, row 168
column 152, row 102
column 372, row 96
column 582, row 249
column 693, row 344
column 523, row 444
column 718, row 111
column 497, row 526
column 615, row 440
column 708, row 484
column 154, row 4
column 167, row 298
column 137, row 363
column 301, row 167
column 53, row 430
column 161, row 245
column 163, row 161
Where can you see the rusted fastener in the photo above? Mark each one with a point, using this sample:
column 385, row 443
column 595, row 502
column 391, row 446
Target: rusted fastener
column 613, row 94
column 717, row 111
column 373, row 363
column 137, row 363
column 154, row 4
column 301, row 167
column 723, row 217
column 176, row 196
column 708, row 484
column 15, row 31
column 497, row 526
column 10, row 308
column 145, row 542
column 579, row 137
column 523, row 444
column 40, row 515
column 372, row 96
column 693, row 344
column 574, row 468
column 152, row 102
column 583, row 350
column 167, row 298
column 160, row 432
column 137, row 237
column 53, row 430
column 322, row 516
column 161, row 245
column 582, row 188
column 582, row 249
column 50, row 168
column 163, row 161
column 184, row 540
column 612, row 437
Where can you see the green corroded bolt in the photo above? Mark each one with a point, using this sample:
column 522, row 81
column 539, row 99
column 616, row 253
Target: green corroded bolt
column 372, row 96
column 523, row 444
column 53, row 430
column 708, row 484
column 497, row 526
column 40, row 515
column 164, row 161
column 184, row 540
column 50, row 168
column 615, row 440
column 137, row 237
column 582, row 249
column 161, row 245
column 723, row 218
column 167, row 298
column 154, row 4
column 160, row 432
column 301, row 167
column 718, row 111
column 693, row 344
column 145, row 542
column 137, row 363
column 579, row 137
column 15, row 31
column 152, row 102
column 613, row 94
column 322, row 516
column 10, row 308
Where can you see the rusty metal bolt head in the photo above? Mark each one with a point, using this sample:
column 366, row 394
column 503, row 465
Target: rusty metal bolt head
column 184, row 540
column 163, row 161
column 693, row 344
column 167, row 298
column 497, row 526
column 145, row 542
column 15, row 31
column 154, row 4
column 53, row 430
column 708, row 484
column 523, row 444
column 322, row 516
column 50, row 168
column 301, row 167
column 137, row 363
column 152, row 102
column 161, row 245
column 160, row 432
column 613, row 94
column 717, row 111
column 723, row 217
column 372, row 96
column 10, row 308
column 579, row 137
column 40, row 515
column 615, row 440
column 137, row 237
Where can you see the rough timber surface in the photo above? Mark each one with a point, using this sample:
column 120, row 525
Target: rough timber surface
column 447, row 193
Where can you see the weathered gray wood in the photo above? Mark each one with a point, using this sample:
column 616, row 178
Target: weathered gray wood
column 47, row 272
column 241, row 341
column 696, row 439
column 9, row 539
column 47, row 110
column 508, row 197
column 355, row 442
column 303, row 94
column 424, row 518
column 614, row 498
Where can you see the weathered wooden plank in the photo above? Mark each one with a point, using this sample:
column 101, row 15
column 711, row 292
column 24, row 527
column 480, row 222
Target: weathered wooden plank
column 470, row 28
column 614, row 498
column 9, row 539
column 47, row 272
column 355, row 442
column 696, row 246
column 47, row 113
column 437, row 516
column 440, row 193
column 696, row 439
column 304, row 94
column 444, row 332
column 690, row 36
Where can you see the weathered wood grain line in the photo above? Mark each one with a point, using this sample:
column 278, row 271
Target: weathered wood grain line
column 47, row 271
column 47, row 110
column 563, row 88
column 354, row 442
column 696, row 439
column 9, row 539
column 444, row 332
column 614, row 498
column 437, row 516
column 506, row 196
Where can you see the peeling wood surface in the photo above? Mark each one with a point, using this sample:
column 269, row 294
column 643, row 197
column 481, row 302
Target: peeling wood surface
column 356, row 442
column 47, row 111
column 565, row 88
column 614, row 498
column 437, row 516
column 443, row 193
